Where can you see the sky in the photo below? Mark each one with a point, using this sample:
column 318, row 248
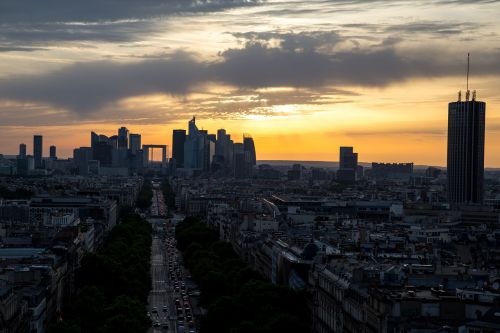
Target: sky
column 302, row 77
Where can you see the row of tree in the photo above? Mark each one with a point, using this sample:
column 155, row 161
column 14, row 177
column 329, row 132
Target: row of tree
column 145, row 197
column 236, row 297
column 113, row 285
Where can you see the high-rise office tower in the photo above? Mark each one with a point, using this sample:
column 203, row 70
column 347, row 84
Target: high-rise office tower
column 348, row 158
column 94, row 139
column 221, row 145
column 249, row 148
column 178, row 140
column 250, row 155
column 81, row 158
column 113, row 141
column 135, row 143
column 239, row 161
column 22, row 150
column 212, row 137
column 38, row 151
column 102, row 151
column 195, row 147
column 466, row 122
column 53, row 152
column 122, row 137
column 348, row 162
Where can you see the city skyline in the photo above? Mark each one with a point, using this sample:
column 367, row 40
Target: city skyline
column 365, row 67
column 264, row 166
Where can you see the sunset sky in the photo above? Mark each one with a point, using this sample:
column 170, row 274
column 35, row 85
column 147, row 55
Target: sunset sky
column 303, row 77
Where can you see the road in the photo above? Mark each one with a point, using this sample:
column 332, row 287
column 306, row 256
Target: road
column 161, row 292
column 168, row 303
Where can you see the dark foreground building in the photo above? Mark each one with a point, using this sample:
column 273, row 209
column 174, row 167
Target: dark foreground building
column 466, row 121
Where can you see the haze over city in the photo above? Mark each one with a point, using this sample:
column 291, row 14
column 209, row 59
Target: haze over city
column 303, row 77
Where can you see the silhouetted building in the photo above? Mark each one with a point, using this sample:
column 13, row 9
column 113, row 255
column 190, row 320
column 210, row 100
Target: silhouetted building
column 81, row 158
column 38, row 151
column 25, row 165
column 94, row 139
column 466, row 122
column 135, row 143
column 348, row 162
column 102, row 151
column 197, row 148
column 122, row 137
column 249, row 147
column 391, row 170
column 113, row 141
column 22, row 150
column 53, row 152
column 239, row 161
column 178, row 140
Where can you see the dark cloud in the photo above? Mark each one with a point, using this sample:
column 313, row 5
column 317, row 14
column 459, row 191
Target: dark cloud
column 28, row 23
column 296, row 60
column 258, row 65
column 86, row 87
column 31, row 35
column 35, row 11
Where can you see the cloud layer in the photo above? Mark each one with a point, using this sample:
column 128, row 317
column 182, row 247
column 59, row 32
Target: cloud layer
column 27, row 25
column 302, row 60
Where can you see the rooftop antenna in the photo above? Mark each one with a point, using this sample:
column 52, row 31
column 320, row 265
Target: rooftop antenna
column 467, row 93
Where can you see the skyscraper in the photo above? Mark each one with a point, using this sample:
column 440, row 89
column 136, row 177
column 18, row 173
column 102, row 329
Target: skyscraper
column 94, row 139
column 348, row 158
column 22, row 150
column 38, row 151
column 81, row 158
column 250, row 156
column 178, row 140
column 195, row 147
column 122, row 137
column 466, row 123
column 239, row 161
column 135, row 143
column 53, row 152
column 348, row 162
column 249, row 148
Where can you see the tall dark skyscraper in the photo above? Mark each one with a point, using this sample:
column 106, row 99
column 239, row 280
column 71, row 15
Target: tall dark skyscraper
column 22, row 150
column 122, row 137
column 53, row 152
column 348, row 163
column 249, row 148
column 348, row 158
column 135, row 143
column 466, row 122
column 38, row 151
column 178, row 140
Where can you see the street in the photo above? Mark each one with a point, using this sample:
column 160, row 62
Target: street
column 169, row 306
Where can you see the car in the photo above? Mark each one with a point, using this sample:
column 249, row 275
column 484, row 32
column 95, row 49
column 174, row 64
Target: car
column 165, row 308
column 156, row 324
column 154, row 310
